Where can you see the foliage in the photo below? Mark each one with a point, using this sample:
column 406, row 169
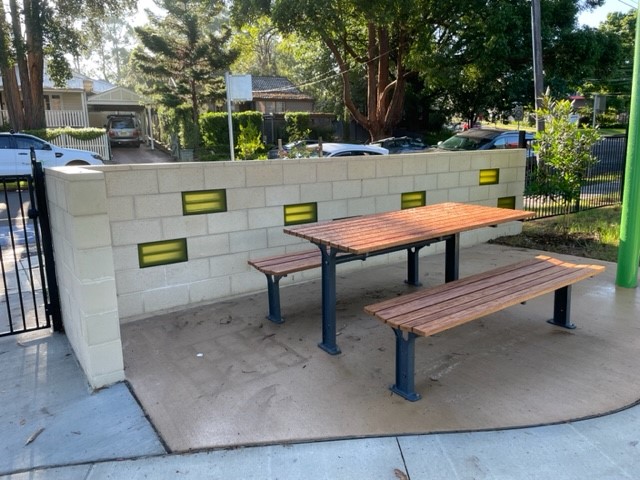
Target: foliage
column 564, row 153
column 250, row 146
column 39, row 30
column 183, row 56
column 215, row 128
column 49, row 134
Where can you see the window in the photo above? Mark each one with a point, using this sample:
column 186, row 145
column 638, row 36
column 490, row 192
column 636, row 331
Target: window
column 28, row 142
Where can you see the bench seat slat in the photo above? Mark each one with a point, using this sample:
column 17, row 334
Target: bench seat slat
column 288, row 263
column 433, row 310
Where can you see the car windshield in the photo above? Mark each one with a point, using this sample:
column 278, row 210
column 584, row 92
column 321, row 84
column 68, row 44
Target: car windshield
column 462, row 142
column 122, row 123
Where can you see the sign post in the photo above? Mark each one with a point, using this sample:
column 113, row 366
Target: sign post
column 238, row 89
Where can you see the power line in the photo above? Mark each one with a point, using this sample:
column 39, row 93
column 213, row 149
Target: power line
column 634, row 7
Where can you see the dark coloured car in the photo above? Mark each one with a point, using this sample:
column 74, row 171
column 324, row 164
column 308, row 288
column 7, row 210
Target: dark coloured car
column 401, row 144
column 123, row 130
column 487, row 139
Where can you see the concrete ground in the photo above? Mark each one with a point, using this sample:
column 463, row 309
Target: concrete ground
column 226, row 394
column 143, row 154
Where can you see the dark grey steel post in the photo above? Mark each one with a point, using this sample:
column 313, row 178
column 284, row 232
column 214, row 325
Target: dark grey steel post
column 452, row 257
column 562, row 308
column 413, row 266
column 405, row 366
column 273, row 289
column 328, row 343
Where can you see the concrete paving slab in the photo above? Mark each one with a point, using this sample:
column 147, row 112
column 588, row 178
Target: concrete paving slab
column 50, row 417
column 221, row 375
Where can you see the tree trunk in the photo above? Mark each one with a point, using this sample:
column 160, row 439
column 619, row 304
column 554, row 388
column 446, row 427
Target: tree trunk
column 21, row 61
column 35, row 117
column 9, row 79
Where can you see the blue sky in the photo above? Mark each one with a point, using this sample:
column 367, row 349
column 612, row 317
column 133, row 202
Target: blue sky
column 599, row 15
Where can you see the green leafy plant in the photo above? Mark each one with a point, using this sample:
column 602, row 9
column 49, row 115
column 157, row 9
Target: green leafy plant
column 249, row 142
column 49, row 134
column 564, row 154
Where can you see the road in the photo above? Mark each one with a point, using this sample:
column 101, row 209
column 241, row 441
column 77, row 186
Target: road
column 144, row 154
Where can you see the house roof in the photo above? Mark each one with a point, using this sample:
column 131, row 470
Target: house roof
column 76, row 82
column 276, row 88
column 117, row 96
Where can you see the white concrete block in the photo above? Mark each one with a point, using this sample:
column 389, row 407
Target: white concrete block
column 224, row 265
column 387, row 203
column 241, row 198
column 93, row 264
column 106, row 358
column 437, row 196
column 277, row 238
column 247, row 240
column 248, row 282
column 184, row 177
column 97, row 297
column 439, row 163
column 461, row 164
column 185, row 226
column 208, row 246
column 425, row 182
column 130, row 306
column 91, row 231
column 332, row 210
column 497, row 191
column 347, row 189
column 131, row 182
column 225, row 175
column 120, row 208
column 448, row 180
column 165, row 298
column 102, row 328
column 140, row 279
column 332, row 170
column 225, row 222
column 125, row 257
column 316, row 192
column 414, row 165
column 264, row 173
column 388, row 166
column 478, row 193
column 266, row 217
column 187, row 272
column 86, row 198
column 360, row 206
column 210, row 289
column 459, row 194
column 375, row 186
column 300, row 173
column 282, row 195
column 135, row 232
column 361, row 167
column 401, row 184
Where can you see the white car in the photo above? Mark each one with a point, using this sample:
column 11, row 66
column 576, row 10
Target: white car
column 346, row 150
column 15, row 154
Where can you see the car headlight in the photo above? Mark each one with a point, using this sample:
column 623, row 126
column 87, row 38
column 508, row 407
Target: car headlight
column 97, row 157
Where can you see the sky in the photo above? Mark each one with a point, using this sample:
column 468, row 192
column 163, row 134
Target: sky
column 599, row 15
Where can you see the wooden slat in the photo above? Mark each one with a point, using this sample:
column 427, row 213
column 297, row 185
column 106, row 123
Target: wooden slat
column 288, row 263
column 437, row 309
column 369, row 233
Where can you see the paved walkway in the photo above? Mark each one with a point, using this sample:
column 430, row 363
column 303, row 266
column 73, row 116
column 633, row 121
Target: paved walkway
column 53, row 427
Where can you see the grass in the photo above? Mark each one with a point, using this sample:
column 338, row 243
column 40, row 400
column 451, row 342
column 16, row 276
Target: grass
column 590, row 233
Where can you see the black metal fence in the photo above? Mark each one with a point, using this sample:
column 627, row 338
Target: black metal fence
column 601, row 186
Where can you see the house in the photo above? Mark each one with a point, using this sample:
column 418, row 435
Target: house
column 82, row 102
column 277, row 95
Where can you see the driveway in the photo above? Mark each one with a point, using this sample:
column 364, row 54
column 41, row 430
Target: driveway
column 144, row 154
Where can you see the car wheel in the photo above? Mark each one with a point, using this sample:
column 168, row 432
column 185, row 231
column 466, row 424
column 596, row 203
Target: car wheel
column 76, row 163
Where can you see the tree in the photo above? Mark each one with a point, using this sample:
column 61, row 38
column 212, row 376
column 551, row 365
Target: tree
column 42, row 29
column 183, row 56
column 369, row 39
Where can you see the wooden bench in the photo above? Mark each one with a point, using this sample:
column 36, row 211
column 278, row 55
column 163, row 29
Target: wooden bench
column 440, row 308
column 280, row 266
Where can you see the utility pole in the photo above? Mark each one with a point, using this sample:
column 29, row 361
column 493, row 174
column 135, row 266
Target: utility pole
column 536, row 42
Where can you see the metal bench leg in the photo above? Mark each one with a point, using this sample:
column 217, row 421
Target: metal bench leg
column 562, row 308
column 413, row 266
column 273, row 291
column 328, row 343
column 405, row 366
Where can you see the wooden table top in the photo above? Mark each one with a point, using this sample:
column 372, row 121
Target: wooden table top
column 378, row 231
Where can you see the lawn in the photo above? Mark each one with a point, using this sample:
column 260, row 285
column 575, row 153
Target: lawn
column 590, row 233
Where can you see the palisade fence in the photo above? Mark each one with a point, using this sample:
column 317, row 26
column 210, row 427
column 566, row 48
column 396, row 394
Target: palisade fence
column 601, row 186
column 99, row 145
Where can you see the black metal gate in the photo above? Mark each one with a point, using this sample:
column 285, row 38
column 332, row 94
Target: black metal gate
column 29, row 293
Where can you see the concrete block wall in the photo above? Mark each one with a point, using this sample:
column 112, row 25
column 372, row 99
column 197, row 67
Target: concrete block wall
column 101, row 214
column 85, row 271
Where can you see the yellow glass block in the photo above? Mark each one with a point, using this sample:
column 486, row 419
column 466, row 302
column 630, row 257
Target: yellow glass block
column 413, row 199
column 162, row 253
column 490, row 176
column 507, row 202
column 204, row 201
column 300, row 213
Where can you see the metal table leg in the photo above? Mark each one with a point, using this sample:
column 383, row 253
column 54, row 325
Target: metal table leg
column 452, row 258
column 328, row 343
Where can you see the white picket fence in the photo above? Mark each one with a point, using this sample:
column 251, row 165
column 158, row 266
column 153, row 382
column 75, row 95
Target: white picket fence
column 99, row 145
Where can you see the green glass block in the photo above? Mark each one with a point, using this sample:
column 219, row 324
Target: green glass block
column 164, row 252
column 300, row 213
column 413, row 199
column 507, row 202
column 204, row 201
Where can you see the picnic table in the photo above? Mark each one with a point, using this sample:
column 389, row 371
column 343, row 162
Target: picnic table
column 356, row 238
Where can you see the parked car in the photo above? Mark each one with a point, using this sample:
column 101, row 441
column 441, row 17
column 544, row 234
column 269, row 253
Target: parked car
column 487, row 139
column 275, row 153
column 401, row 144
column 15, row 154
column 123, row 130
column 346, row 150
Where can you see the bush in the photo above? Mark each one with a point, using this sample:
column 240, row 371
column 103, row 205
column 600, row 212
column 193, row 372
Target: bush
column 214, row 129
